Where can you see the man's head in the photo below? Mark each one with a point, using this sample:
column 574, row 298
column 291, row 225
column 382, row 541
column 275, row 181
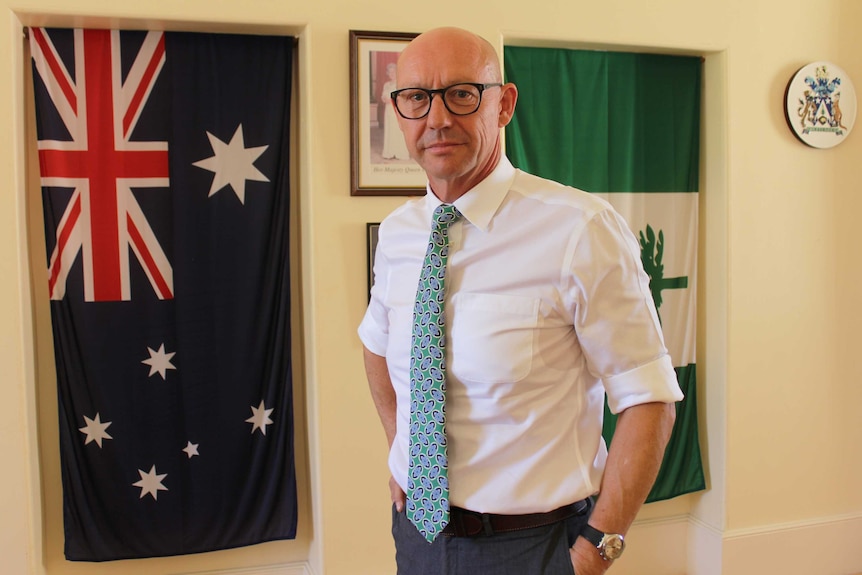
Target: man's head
column 456, row 152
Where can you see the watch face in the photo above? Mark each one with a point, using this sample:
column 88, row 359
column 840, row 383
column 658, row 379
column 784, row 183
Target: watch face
column 613, row 546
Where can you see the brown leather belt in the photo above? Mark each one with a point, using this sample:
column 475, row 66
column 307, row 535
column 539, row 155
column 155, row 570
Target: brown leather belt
column 466, row 523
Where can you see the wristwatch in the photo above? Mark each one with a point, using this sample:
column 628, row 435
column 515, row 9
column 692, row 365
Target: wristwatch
column 610, row 545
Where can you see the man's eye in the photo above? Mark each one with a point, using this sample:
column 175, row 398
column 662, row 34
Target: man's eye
column 416, row 96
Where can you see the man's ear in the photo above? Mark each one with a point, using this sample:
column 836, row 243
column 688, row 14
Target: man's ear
column 508, row 99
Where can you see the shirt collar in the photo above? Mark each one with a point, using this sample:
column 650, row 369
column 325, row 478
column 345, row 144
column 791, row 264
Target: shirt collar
column 479, row 204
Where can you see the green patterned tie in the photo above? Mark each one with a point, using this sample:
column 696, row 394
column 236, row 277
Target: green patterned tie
column 428, row 479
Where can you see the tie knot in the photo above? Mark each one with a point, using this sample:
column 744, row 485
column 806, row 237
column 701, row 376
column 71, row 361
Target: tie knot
column 445, row 214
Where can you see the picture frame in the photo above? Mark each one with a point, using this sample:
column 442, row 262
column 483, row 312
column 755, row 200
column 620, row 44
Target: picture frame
column 371, row 230
column 380, row 165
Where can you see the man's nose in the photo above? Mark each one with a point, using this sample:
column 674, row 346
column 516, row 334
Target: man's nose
column 438, row 115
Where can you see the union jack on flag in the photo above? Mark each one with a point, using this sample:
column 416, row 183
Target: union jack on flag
column 102, row 164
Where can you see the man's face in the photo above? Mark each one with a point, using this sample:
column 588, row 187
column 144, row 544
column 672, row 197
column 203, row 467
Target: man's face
column 458, row 150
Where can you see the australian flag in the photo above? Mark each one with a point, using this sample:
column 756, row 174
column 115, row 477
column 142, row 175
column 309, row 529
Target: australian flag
column 164, row 168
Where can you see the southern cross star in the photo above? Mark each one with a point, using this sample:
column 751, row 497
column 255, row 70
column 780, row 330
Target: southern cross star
column 260, row 418
column 151, row 483
column 159, row 361
column 191, row 449
column 232, row 164
column 95, row 430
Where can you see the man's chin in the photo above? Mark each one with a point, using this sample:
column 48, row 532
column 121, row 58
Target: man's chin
column 442, row 164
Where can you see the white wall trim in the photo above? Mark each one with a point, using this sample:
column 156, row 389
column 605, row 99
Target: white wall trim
column 658, row 521
column 685, row 545
column 826, row 546
column 704, row 545
column 655, row 546
column 776, row 528
column 302, row 568
column 700, row 524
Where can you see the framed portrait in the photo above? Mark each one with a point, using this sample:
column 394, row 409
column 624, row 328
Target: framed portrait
column 380, row 164
column 371, row 242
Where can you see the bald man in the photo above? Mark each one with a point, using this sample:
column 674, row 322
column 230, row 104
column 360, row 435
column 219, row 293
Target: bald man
column 546, row 311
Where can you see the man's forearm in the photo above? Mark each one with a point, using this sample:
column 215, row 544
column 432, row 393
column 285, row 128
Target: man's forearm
column 634, row 460
column 382, row 392
column 383, row 395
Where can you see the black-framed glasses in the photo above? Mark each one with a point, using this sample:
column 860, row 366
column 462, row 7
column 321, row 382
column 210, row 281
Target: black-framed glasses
column 460, row 99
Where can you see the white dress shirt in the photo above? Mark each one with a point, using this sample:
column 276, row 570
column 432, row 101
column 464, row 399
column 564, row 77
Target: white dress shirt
column 547, row 309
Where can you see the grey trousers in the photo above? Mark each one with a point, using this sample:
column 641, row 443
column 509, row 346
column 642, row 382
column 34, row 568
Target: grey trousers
column 538, row 551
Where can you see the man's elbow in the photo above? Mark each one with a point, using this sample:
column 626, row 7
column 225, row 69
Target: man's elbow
column 670, row 413
column 667, row 421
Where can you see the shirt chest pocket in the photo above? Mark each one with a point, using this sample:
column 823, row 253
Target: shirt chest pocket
column 492, row 337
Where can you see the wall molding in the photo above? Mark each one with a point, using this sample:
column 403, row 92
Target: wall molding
column 704, row 547
column 825, row 546
column 656, row 545
column 299, row 568
column 776, row 528
column 685, row 545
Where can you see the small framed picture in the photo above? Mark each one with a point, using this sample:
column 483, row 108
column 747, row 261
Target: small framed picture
column 371, row 242
column 380, row 164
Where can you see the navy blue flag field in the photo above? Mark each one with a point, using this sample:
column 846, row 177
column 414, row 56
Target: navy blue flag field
column 164, row 166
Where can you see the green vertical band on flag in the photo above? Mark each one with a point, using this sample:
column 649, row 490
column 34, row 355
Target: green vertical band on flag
column 679, row 473
column 627, row 127
column 606, row 122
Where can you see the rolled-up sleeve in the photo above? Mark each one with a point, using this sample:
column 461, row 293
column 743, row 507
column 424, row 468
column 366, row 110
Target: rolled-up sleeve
column 374, row 328
column 615, row 318
column 655, row 381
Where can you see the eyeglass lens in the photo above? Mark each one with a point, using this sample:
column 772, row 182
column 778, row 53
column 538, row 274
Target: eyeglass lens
column 460, row 99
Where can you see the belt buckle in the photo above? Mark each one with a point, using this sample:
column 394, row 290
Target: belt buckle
column 487, row 528
column 583, row 506
column 472, row 524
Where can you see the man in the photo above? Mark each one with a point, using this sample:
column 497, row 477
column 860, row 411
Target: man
column 546, row 308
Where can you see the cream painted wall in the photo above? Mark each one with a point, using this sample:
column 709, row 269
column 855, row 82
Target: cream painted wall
column 781, row 276
column 794, row 440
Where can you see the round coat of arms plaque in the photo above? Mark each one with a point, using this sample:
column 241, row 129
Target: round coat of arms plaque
column 820, row 104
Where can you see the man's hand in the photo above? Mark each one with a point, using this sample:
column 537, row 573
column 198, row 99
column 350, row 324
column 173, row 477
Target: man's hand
column 397, row 494
column 586, row 559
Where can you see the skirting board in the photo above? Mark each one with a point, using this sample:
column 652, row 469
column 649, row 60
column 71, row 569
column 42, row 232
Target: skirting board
column 686, row 546
column 830, row 546
column 682, row 545
column 280, row 569
column 655, row 547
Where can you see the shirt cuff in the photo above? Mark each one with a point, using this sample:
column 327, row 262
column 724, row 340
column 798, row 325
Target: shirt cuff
column 373, row 340
column 649, row 383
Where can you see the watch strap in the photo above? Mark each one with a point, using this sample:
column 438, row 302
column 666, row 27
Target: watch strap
column 592, row 535
column 609, row 545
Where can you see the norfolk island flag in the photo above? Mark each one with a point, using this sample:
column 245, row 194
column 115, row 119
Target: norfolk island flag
column 626, row 127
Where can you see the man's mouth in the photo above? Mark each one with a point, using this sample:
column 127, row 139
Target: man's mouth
column 441, row 146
